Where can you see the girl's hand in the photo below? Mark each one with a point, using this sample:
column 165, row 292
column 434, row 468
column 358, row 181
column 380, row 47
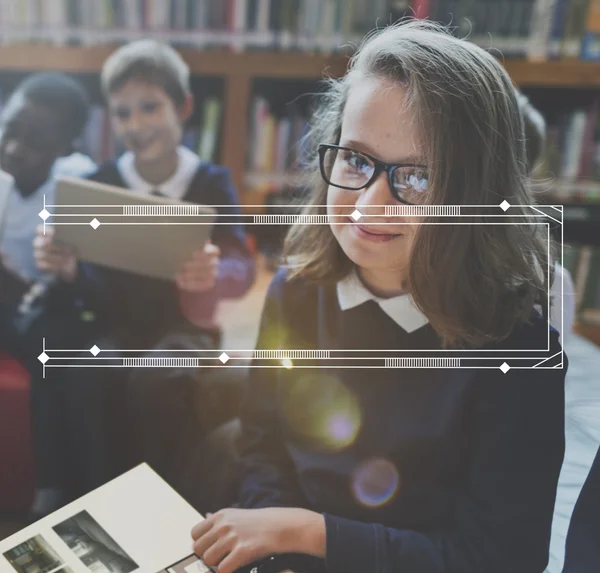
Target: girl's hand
column 233, row 538
column 200, row 273
column 58, row 260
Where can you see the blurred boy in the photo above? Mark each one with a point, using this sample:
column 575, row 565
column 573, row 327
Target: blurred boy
column 41, row 120
column 147, row 87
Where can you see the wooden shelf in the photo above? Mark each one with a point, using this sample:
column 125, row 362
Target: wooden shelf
column 239, row 69
column 29, row 57
column 558, row 73
column 589, row 331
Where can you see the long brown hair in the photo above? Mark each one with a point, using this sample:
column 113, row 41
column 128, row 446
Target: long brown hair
column 473, row 282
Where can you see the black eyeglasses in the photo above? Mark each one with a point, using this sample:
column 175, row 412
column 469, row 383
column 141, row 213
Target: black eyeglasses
column 348, row 168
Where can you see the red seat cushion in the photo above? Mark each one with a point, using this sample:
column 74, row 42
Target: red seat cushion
column 16, row 448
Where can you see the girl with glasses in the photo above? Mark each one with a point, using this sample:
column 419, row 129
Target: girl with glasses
column 346, row 469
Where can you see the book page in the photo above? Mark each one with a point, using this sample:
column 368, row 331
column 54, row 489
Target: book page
column 136, row 522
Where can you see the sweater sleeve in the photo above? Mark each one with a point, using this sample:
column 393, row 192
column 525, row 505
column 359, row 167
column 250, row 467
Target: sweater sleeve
column 504, row 509
column 267, row 478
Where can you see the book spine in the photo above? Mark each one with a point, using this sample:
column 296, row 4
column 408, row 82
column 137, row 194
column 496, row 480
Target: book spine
column 420, row 9
column 589, row 307
column 574, row 29
column 590, row 45
column 589, row 144
column 557, row 28
column 541, row 27
column 573, row 145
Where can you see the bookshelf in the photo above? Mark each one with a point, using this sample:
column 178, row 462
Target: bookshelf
column 239, row 69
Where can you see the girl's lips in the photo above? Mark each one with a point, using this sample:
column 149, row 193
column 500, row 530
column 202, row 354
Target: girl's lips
column 371, row 235
column 142, row 145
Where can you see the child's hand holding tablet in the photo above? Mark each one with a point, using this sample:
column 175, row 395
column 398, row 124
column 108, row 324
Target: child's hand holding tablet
column 199, row 274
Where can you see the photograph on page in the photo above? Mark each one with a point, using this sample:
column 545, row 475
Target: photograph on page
column 93, row 545
column 36, row 555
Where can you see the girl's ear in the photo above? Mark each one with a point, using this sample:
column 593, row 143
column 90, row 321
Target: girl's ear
column 187, row 108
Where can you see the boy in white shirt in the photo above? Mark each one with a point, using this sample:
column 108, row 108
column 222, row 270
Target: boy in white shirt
column 41, row 120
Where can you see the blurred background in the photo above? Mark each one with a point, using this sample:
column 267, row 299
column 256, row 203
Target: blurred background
column 257, row 66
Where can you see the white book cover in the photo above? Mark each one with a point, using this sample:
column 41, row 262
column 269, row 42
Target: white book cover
column 158, row 14
column 303, row 25
column 262, row 21
column 240, row 8
column 541, row 29
column 284, row 132
column 573, row 146
column 135, row 523
column 54, row 18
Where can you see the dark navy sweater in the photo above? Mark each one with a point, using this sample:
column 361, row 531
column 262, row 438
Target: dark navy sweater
column 463, row 464
column 144, row 308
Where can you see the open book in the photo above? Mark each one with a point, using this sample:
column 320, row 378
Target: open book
column 136, row 522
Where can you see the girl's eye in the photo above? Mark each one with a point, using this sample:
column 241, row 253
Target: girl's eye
column 356, row 161
column 411, row 178
column 122, row 113
column 149, row 107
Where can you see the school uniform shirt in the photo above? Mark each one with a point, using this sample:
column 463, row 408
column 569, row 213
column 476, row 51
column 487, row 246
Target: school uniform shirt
column 417, row 470
column 19, row 229
column 129, row 302
column 562, row 301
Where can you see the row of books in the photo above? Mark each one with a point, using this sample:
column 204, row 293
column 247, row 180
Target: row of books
column 583, row 262
column 100, row 144
column 534, row 28
column 537, row 29
column 277, row 143
column 572, row 153
column 308, row 24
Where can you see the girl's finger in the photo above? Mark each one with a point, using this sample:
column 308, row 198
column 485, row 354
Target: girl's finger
column 218, row 551
column 234, row 561
column 202, row 528
column 204, row 543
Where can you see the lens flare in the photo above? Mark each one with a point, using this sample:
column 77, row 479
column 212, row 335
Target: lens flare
column 320, row 409
column 287, row 363
column 375, row 482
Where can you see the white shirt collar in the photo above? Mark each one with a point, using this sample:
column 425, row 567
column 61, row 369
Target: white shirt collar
column 401, row 309
column 175, row 187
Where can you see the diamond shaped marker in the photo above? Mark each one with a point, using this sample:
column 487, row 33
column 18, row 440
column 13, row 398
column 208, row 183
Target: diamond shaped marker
column 95, row 350
column 356, row 215
column 504, row 205
column 224, row 358
column 94, row 224
column 43, row 214
column 505, row 368
column 43, row 358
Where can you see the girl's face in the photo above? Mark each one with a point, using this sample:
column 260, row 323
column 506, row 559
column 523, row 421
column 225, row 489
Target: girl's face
column 375, row 122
